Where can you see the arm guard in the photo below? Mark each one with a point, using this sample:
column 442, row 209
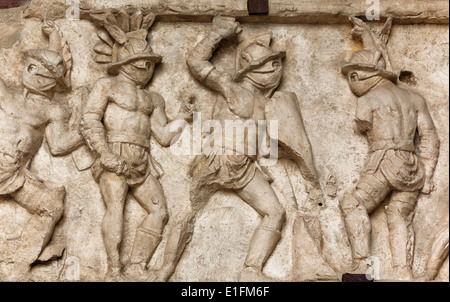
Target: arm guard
column 94, row 133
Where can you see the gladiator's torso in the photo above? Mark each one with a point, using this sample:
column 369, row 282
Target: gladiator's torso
column 392, row 114
column 22, row 126
column 223, row 114
column 128, row 111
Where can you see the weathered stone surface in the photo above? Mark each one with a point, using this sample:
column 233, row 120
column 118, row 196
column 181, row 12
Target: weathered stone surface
column 402, row 11
column 316, row 38
column 280, row 11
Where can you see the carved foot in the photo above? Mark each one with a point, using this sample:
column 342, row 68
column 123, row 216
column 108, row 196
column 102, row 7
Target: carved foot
column 161, row 275
column 250, row 274
column 429, row 275
column 135, row 272
column 403, row 273
column 114, row 274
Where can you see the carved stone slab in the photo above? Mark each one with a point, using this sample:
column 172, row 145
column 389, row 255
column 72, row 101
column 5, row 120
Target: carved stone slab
column 317, row 41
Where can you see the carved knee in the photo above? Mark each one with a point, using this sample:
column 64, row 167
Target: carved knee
column 156, row 221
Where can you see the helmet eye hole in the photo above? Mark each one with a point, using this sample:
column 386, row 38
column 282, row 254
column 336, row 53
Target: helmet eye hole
column 32, row 68
column 142, row 65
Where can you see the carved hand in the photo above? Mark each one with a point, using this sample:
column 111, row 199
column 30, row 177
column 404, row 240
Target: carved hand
column 225, row 27
column 114, row 163
column 358, row 26
column 48, row 28
column 187, row 110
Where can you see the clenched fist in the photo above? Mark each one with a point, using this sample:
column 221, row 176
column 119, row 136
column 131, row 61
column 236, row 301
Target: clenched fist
column 114, row 163
column 225, row 27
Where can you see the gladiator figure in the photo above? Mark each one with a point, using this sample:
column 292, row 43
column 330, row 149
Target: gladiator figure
column 404, row 149
column 118, row 121
column 26, row 117
column 244, row 96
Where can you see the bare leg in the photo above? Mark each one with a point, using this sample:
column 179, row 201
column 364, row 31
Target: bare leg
column 151, row 196
column 114, row 192
column 47, row 207
column 260, row 196
column 400, row 213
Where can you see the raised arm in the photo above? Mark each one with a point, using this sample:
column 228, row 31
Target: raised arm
column 161, row 126
column 198, row 59
column 204, row 72
column 429, row 142
column 61, row 138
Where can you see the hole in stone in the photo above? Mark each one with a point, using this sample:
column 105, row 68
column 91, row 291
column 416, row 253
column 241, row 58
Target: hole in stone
column 320, row 204
column 12, row 3
column 407, row 77
column 258, row 7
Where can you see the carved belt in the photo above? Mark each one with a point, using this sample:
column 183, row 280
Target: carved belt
column 128, row 137
column 401, row 144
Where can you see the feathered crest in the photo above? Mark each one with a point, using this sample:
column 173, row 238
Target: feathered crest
column 57, row 57
column 116, row 26
column 374, row 39
column 58, row 43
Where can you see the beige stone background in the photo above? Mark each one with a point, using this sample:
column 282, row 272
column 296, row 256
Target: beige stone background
column 315, row 35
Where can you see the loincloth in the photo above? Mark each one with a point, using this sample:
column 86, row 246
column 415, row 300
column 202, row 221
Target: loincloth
column 402, row 169
column 139, row 162
column 231, row 172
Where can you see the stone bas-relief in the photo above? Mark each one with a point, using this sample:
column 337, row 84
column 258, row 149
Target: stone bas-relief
column 391, row 117
column 324, row 151
column 119, row 118
column 242, row 97
column 27, row 117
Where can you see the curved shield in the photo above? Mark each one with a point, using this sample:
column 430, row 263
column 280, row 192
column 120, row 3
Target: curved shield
column 283, row 108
